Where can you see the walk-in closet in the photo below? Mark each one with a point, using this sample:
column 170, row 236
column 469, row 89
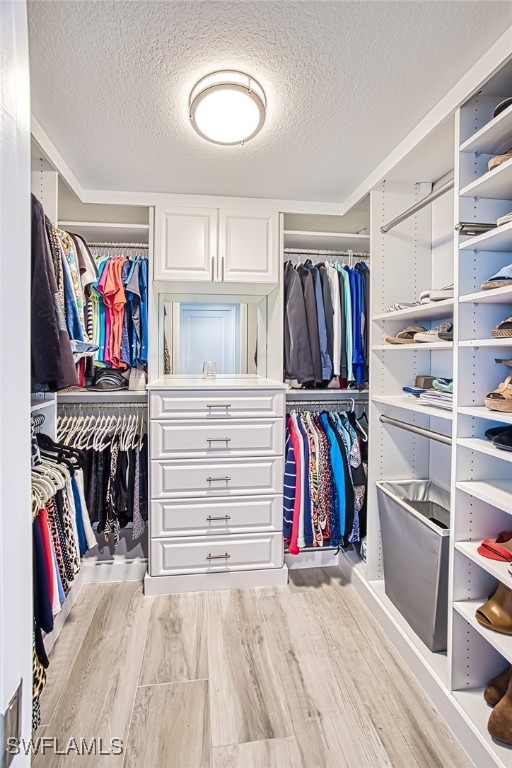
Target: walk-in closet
column 256, row 430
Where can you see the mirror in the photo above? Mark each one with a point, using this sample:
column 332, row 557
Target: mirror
column 226, row 329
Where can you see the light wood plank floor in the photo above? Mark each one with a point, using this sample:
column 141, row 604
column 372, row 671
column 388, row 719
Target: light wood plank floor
column 291, row 677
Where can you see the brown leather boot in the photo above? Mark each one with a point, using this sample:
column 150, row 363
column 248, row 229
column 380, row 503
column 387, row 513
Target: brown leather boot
column 497, row 687
column 500, row 721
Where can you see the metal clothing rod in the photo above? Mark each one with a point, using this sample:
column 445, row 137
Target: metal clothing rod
column 418, row 206
column 325, row 404
column 417, row 430
column 470, row 228
column 138, row 246
column 324, row 252
column 93, row 406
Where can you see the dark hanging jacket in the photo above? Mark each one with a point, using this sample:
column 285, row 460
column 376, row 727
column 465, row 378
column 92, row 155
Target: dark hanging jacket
column 298, row 362
column 52, row 358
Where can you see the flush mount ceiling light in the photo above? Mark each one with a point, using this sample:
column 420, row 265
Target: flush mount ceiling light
column 227, row 107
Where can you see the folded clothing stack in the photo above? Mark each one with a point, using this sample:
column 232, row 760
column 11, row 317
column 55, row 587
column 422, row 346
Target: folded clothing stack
column 440, row 394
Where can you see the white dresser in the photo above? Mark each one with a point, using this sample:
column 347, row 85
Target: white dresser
column 216, row 484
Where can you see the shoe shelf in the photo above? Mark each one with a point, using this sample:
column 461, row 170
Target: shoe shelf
column 498, row 240
column 472, row 703
column 496, row 568
column 492, row 138
column 481, row 445
column 493, row 185
column 411, row 404
column 498, row 493
column 494, row 296
column 434, row 310
column 500, row 642
column 481, row 412
column 417, row 346
column 504, row 342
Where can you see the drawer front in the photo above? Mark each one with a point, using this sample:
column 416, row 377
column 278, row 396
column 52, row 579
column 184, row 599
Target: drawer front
column 211, row 518
column 215, row 404
column 196, row 439
column 214, row 554
column 203, row 478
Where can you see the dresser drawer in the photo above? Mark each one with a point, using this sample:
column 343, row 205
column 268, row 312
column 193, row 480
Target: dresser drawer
column 215, row 404
column 202, row 438
column 182, row 517
column 213, row 554
column 206, row 478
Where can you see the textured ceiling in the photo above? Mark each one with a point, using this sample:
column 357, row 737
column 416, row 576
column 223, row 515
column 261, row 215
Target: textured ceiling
column 345, row 82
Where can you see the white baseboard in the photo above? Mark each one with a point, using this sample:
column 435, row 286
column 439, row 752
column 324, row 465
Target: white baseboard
column 208, row 582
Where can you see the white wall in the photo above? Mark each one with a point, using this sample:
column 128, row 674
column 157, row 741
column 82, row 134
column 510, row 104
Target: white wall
column 15, row 514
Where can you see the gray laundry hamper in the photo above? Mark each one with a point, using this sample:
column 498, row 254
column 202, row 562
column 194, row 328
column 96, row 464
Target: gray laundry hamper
column 415, row 544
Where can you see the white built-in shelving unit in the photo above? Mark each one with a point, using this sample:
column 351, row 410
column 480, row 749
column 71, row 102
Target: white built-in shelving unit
column 428, row 251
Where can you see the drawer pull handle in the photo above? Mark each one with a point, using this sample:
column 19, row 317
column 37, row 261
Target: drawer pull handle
column 218, row 439
column 218, row 557
column 219, row 405
column 210, row 518
column 218, row 479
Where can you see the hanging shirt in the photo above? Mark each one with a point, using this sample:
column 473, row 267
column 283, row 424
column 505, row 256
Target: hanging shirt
column 335, row 296
column 290, row 480
column 347, row 309
column 322, row 328
column 143, row 289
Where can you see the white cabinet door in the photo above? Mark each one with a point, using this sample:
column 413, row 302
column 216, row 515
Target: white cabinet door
column 248, row 247
column 186, row 244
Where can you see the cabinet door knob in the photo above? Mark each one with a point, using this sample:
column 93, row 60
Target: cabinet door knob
column 211, row 518
column 218, row 557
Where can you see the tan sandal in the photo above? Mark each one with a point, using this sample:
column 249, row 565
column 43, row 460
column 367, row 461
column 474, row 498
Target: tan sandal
column 498, row 160
column 503, row 330
column 500, row 399
column 406, row 336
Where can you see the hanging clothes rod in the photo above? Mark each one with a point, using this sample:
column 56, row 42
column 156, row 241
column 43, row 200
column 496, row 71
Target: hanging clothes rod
column 416, row 430
column 138, row 246
column 442, row 190
column 324, row 404
column 324, row 252
column 92, row 406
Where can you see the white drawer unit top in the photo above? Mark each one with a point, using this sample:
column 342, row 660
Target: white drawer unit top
column 207, row 478
column 220, row 438
column 201, row 554
column 197, row 517
column 216, row 404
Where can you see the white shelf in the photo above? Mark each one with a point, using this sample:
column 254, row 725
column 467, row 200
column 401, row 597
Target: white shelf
column 498, row 493
column 432, row 310
column 326, row 241
column 481, row 412
column 502, row 643
column 472, row 702
column 487, row 343
column 494, row 138
column 412, row 404
column 120, row 396
column 37, row 405
column 493, row 185
column 499, row 240
column 496, row 568
column 416, row 345
column 493, row 296
column 436, row 661
column 481, row 445
column 98, row 231
column 325, row 394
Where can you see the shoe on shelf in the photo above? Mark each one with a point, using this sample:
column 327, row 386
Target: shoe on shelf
column 502, row 106
column 496, row 613
column 501, row 279
column 494, row 162
column 405, row 336
column 506, row 219
column 497, row 687
column 500, row 720
column 436, row 294
column 500, row 399
column 441, row 332
column 497, row 549
column 503, row 330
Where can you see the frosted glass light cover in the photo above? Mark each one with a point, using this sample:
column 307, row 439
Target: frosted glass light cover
column 227, row 108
